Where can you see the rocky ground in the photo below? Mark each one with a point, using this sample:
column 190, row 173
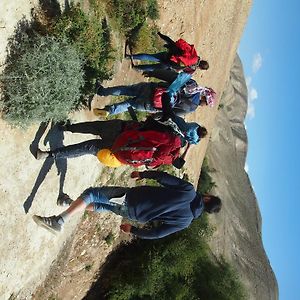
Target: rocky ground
column 215, row 27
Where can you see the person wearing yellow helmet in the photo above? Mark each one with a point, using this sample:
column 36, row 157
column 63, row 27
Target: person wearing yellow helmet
column 106, row 157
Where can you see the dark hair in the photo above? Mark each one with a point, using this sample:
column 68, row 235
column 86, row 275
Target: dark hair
column 203, row 65
column 213, row 205
column 202, row 132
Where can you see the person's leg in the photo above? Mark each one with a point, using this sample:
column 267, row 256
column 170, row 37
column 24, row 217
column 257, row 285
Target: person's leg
column 54, row 224
column 120, row 107
column 161, row 58
column 121, row 90
column 156, row 57
column 142, row 101
column 93, row 199
column 108, row 130
column 151, row 67
column 76, row 150
column 86, row 127
column 139, row 104
column 107, row 200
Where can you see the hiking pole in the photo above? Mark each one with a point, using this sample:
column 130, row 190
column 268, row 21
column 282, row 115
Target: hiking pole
column 132, row 113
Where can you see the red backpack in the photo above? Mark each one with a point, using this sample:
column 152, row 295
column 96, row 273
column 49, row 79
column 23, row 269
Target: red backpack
column 156, row 99
column 189, row 56
column 151, row 148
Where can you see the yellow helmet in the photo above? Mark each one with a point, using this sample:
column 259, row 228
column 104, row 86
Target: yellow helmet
column 107, row 158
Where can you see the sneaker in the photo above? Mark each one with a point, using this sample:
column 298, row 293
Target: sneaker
column 64, row 200
column 49, row 223
column 41, row 154
column 100, row 112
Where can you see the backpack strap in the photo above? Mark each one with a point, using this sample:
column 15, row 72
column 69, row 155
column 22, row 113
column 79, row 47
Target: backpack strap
column 137, row 148
column 144, row 161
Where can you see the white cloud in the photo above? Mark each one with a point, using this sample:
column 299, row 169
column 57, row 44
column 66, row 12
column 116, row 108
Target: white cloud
column 251, row 111
column 252, row 96
column 257, row 62
column 246, row 167
column 248, row 81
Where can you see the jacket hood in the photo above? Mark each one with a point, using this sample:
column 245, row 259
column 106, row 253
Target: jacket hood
column 197, row 206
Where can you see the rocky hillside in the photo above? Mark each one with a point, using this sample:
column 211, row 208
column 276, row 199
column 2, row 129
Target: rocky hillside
column 238, row 236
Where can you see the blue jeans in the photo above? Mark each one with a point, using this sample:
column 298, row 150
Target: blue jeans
column 100, row 197
column 141, row 100
column 161, row 58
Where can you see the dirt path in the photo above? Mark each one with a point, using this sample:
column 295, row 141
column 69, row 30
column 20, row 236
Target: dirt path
column 27, row 251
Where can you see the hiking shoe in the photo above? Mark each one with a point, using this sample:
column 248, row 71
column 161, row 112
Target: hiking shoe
column 63, row 126
column 49, row 223
column 41, row 154
column 98, row 88
column 100, row 112
column 64, row 200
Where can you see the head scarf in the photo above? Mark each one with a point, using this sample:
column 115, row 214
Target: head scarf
column 209, row 93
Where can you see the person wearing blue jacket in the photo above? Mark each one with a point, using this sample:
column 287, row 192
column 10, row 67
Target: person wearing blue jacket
column 174, row 205
column 185, row 96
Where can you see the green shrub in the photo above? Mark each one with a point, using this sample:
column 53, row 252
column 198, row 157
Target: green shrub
column 146, row 39
column 91, row 37
column 206, row 182
column 43, row 82
column 152, row 9
column 109, row 239
column 179, row 266
column 127, row 14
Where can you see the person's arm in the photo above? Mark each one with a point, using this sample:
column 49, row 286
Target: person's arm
column 164, row 179
column 171, row 45
column 186, row 151
column 181, row 79
column 167, row 39
column 178, row 111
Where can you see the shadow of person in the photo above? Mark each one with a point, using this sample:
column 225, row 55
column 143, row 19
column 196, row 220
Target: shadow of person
column 54, row 137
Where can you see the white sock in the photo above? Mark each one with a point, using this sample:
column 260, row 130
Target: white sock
column 63, row 217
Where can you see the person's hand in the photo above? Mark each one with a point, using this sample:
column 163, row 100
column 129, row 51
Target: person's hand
column 125, row 227
column 135, row 174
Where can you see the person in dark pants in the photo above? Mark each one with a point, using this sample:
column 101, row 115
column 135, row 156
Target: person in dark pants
column 144, row 95
column 174, row 205
column 109, row 131
column 171, row 59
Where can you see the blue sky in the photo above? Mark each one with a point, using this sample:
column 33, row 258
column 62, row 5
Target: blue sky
column 270, row 53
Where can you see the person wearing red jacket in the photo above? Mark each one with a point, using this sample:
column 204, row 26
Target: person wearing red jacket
column 147, row 143
column 180, row 56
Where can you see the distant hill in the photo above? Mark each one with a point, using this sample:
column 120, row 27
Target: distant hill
column 238, row 236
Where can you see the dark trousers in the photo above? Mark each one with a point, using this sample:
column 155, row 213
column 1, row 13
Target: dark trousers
column 108, row 130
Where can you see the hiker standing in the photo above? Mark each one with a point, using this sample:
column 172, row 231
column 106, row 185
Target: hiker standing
column 124, row 142
column 174, row 204
column 181, row 57
column 147, row 97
